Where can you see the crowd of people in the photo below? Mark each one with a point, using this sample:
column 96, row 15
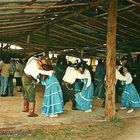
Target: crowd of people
column 10, row 69
column 64, row 82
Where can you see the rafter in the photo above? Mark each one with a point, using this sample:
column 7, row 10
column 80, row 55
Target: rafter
column 45, row 6
column 21, row 25
column 134, row 2
column 79, row 33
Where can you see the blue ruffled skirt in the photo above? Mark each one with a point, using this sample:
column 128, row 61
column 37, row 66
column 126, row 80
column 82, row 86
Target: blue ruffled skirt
column 53, row 99
column 130, row 97
column 84, row 99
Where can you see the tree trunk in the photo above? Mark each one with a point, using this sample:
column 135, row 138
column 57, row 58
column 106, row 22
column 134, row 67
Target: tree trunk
column 110, row 108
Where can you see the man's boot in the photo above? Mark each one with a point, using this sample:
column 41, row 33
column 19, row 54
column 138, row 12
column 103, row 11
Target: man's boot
column 31, row 110
column 25, row 106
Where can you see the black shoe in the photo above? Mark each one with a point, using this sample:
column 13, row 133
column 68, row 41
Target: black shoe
column 3, row 95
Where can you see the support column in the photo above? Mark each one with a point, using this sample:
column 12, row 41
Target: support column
column 82, row 54
column 110, row 108
column 28, row 40
column 1, row 46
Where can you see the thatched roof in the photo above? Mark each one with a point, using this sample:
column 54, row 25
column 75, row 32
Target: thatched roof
column 70, row 25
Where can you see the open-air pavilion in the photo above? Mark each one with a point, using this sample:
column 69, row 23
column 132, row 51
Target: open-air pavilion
column 82, row 28
column 70, row 25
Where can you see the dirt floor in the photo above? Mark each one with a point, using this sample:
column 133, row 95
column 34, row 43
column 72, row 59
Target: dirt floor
column 12, row 117
column 131, row 130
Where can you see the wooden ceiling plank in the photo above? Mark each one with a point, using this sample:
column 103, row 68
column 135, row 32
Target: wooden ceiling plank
column 21, row 15
column 76, row 32
column 29, row 4
column 59, row 42
column 22, row 21
column 90, row 27
column 137, row 15
column 74, row 37
column 21, row 25
column 70, row 15
column 130, row 21
column 94, row 21
column 126, row 36
column 134, row 2
column 67, row 35
column 44, row 6
column 18, row 29
column 119, row 10
column 66, row 40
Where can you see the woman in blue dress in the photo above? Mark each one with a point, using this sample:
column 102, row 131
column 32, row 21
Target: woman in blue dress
column 130, row 97
column 53, row 99
column 84, row 99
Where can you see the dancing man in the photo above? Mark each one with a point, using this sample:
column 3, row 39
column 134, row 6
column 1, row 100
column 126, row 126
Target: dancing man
column 31, row 73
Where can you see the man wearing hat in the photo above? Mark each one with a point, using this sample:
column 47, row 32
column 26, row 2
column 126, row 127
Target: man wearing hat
column 31, row 73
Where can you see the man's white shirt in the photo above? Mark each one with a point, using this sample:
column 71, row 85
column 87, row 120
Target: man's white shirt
column 32, row 69
column 71, row 75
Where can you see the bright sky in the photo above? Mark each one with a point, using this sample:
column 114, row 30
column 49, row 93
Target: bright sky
column 13, row 47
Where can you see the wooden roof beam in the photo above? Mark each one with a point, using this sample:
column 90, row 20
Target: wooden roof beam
column 77, row 32
column 79, row 11
column 45, row 6
column 130, row 21
column 134, row 2
column 22, row 21
column 68, row 35
column 103, row 23
column 29, row 4
column 89, row 26
column 30, row 28
column 21, row 25
column 64, row 39
column 95, row 21
column 74, row 37
column 21, row 15
column 119, row 10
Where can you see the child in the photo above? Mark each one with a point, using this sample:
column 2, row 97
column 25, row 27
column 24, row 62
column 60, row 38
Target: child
column 53, row 100
column 130, row 97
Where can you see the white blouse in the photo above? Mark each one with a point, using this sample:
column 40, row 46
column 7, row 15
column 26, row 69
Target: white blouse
column 129, row 78
column 87, row 75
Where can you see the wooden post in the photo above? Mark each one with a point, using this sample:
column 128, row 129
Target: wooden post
column 90, row 61
column 28, row 40
column 130, row 45
column 110, row 108
column 1, row 46
column 82, row 53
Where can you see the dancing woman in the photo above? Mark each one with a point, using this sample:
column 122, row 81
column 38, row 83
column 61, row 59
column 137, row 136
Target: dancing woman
column 53, row 99
column 130, row 97
column 84, row 99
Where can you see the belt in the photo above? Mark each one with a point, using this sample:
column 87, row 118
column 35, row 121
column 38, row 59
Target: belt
column 66, row 83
